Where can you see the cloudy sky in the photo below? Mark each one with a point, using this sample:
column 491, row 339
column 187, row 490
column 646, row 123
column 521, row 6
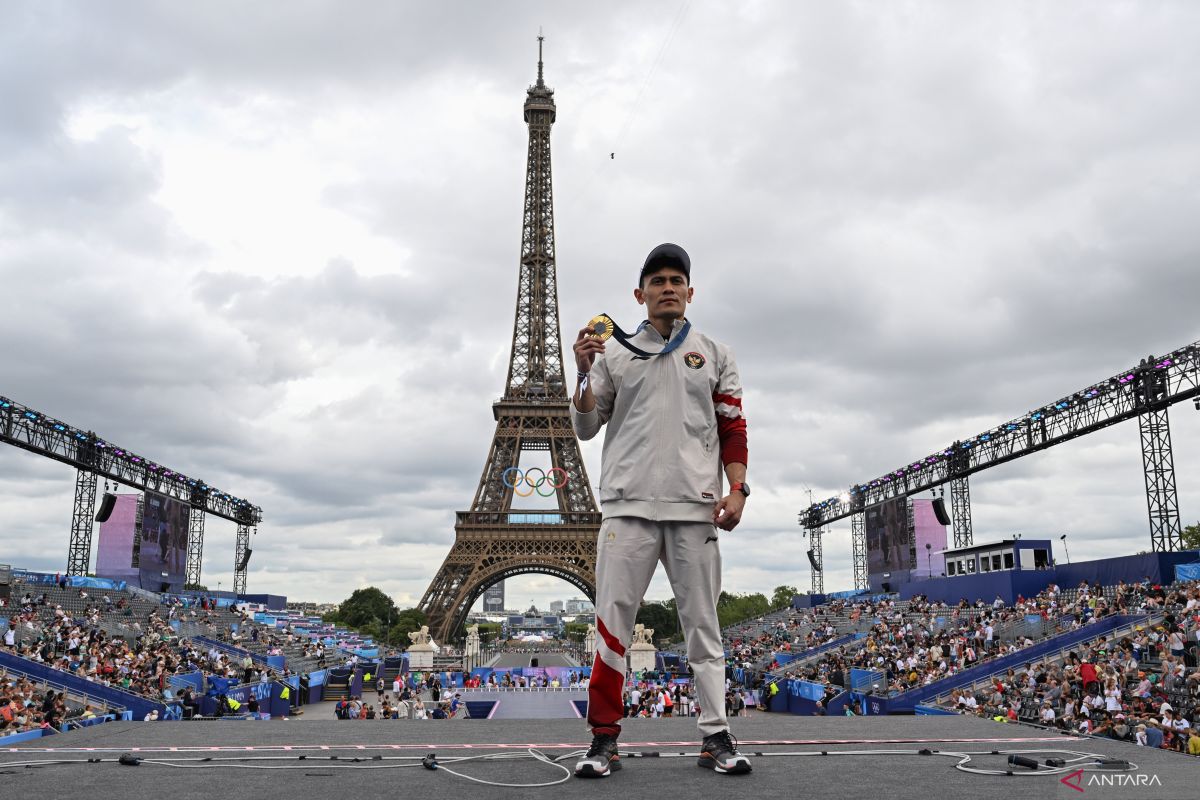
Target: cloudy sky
column 275, row 246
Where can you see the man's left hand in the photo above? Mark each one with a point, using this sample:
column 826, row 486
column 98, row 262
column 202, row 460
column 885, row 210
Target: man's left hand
column 728, row 512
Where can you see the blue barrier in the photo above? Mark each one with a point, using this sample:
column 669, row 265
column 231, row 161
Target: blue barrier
column 27, row 736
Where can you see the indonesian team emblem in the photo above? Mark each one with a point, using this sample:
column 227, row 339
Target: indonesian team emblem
column 694, row 360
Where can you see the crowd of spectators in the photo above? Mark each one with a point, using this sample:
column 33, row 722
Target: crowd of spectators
column 917, row 643
column 24, row 708
column 141, row 662
column 1143, row 687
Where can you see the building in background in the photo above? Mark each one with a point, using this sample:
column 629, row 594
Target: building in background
column 493, row 599
column 579, row 605
column 556, row 606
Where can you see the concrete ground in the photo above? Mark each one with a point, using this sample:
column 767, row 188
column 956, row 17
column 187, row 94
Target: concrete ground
column 808, row 757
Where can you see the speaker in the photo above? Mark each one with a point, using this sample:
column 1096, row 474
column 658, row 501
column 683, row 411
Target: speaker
column 533, row 662
column 813, row 561
column 106, row 507
column 245, row 559
column 887, row 587
column 939, row 511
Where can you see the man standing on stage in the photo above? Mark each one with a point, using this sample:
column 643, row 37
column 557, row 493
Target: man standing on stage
column 673, row 405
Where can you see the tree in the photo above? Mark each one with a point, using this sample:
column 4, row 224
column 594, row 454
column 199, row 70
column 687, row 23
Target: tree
column 1191, row 537
column 657, row 616
column 490, row 632
column 733, row 608
column 783, row 596
column 367, row 610
column 576, row 631
column 407, row 621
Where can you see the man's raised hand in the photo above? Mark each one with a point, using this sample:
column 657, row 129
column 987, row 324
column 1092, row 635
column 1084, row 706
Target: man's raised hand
column 586, row 349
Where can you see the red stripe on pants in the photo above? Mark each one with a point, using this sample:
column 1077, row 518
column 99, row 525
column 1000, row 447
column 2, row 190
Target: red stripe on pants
column 613, row 642
column 605, row 708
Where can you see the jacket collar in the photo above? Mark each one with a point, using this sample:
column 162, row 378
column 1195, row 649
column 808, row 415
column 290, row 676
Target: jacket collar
column 675, row 328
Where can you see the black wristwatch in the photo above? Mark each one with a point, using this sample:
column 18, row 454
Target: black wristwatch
column 742, row 487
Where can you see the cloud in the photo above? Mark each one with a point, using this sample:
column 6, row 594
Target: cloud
column 280, row 252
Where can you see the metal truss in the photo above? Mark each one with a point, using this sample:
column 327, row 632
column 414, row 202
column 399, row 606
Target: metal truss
column 79, row 555
column 195, row 553
column 1176, row 377
column 493, row 541
column 36, row 432
column 1162, row 500
column 960, row 512
column 858, row 542
column 818, row 557
column 239, row 559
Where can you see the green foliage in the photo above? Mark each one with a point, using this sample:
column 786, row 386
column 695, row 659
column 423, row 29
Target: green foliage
column 1191, row 537
column 407, row 621
column 733, row 608
column 371, row 612
column 661, row 617
column 782, row 597
column 490, row 632
column 576, row 631
column 364, row 607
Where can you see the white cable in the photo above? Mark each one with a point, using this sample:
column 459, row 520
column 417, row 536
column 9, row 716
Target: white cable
column 537, row 756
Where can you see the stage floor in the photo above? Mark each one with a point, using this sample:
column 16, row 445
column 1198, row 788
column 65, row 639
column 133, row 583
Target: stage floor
column 289, row 759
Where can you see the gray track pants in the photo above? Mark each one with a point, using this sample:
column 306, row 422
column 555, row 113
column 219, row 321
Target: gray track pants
column 628, row 551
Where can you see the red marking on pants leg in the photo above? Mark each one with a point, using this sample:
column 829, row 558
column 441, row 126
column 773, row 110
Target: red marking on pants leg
column 604, row 698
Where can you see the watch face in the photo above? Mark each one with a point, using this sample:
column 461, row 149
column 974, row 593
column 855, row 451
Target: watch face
column 745, row 487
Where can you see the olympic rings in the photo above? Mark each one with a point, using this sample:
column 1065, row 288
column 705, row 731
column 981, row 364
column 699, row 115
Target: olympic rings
column 526, row 478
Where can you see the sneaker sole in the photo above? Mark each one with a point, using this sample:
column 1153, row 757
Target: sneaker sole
column 588, row 771
column 708, row 762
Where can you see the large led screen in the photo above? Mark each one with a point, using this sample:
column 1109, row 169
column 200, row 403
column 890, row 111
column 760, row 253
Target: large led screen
column 929, row 531
column 114, row 556
column 888, row 545
column 164, row 541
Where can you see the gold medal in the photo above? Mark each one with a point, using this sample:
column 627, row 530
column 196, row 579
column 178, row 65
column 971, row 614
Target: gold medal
column 601, row 328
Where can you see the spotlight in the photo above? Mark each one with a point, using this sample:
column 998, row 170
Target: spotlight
column 1196, row 403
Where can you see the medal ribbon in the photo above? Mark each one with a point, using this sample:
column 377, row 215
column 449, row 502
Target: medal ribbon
column 624, row 338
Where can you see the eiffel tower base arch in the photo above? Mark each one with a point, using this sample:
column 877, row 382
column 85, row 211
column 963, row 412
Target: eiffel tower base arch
column 488, row 550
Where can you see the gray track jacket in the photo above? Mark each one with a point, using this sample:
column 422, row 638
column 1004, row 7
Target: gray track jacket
column 672, row 421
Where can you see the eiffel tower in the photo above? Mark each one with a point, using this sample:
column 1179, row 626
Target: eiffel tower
column 494, row 541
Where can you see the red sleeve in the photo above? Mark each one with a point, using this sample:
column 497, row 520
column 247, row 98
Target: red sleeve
column 731, row 428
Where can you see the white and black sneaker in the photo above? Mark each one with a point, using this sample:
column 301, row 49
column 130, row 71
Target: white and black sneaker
column 719, row 753
column 602, row 758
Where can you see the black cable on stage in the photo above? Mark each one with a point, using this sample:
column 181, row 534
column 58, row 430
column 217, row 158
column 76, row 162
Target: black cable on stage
column 1051, row 766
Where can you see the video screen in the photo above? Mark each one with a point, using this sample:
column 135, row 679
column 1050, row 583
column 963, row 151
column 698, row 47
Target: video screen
column 164, row 541
column 888, row 546
column 114, row 557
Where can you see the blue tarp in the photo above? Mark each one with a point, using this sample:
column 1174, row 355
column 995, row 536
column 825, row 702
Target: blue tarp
column 1187, row 572
column 72, row 580
column 806, row 689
